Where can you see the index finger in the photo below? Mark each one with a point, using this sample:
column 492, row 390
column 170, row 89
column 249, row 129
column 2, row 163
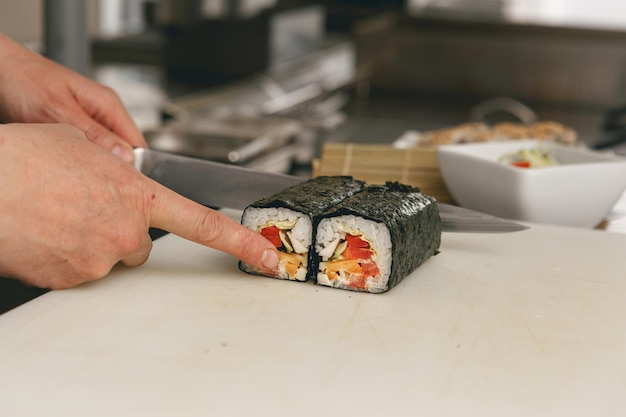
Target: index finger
column 176, row 214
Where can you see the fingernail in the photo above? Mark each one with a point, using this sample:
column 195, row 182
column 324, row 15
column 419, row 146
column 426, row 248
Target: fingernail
column 124, row 153
column 269, row 260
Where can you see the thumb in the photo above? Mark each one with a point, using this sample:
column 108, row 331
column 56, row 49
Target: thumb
column 176, row 214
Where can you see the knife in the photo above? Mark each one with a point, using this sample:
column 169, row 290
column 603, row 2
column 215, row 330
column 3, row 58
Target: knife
column 219, row 185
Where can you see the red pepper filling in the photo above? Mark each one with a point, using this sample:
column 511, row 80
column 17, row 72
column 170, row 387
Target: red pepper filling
column 272, row 233
column 356, row 262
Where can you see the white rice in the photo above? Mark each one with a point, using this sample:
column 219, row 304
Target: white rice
column 377, row 234
column 301, row 234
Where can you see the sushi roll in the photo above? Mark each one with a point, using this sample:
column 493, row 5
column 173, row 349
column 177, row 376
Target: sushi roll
column 287, row 220
column 374, row 239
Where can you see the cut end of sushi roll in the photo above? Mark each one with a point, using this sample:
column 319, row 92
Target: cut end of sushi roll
column 354, row 253
column 290, row 232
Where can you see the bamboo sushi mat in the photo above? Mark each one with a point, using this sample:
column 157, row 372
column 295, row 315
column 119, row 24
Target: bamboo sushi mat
column 376, row 164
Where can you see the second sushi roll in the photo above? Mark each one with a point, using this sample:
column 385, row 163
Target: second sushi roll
column 374, row 239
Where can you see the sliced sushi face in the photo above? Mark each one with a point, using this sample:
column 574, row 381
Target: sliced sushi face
column 290, row 232
column 354, row 254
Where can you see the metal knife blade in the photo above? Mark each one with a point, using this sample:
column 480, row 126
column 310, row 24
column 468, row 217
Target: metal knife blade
column 214, row 184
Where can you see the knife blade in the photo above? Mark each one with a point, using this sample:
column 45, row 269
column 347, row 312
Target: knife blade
column 219, row 185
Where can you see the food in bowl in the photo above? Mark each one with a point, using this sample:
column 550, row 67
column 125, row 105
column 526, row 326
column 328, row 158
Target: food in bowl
column 530, row 158
column 580, row 191
column 474, row 132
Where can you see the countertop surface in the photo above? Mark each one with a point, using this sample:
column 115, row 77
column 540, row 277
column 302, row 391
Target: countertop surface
column 528, row 323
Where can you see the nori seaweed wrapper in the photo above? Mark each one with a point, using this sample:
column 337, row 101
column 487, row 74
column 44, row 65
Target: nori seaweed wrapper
column 411, row 217
column 312, row 197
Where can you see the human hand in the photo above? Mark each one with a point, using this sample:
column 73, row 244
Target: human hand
column 69, row 211
column 37, row 90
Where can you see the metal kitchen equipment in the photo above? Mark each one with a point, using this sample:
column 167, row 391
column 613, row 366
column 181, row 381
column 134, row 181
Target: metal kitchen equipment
column 237, row 140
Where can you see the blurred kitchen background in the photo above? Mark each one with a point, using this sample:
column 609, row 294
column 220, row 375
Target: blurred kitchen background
column 266, row 83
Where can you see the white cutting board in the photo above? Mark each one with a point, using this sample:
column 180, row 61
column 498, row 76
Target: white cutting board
column 523, row 324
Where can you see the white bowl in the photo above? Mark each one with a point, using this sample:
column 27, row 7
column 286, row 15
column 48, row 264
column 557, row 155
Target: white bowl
column 580, row 191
